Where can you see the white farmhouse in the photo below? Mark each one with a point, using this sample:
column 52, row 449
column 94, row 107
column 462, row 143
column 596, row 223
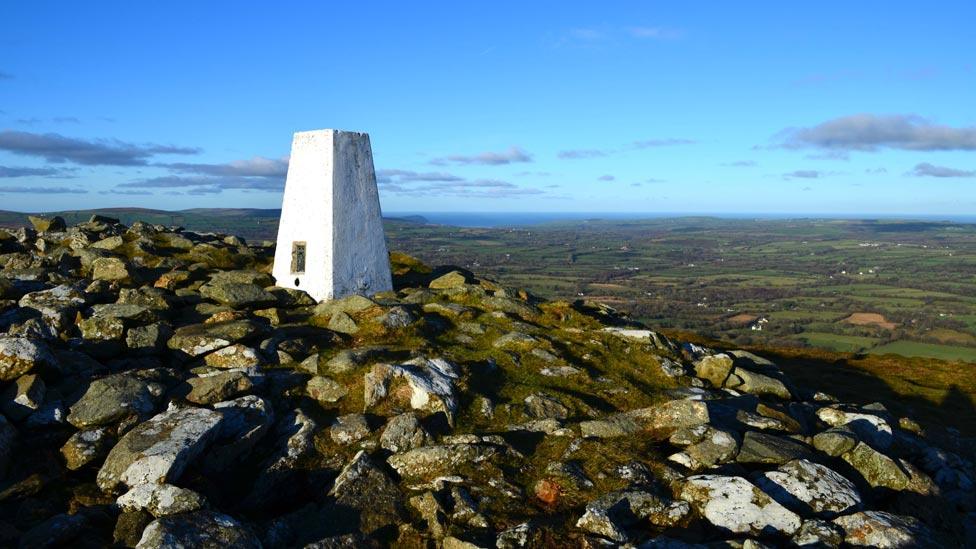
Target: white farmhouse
column 330, row 237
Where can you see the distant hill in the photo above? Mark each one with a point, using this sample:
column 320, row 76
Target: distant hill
column 250, row 223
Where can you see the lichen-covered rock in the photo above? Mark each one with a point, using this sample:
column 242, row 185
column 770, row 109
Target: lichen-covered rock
column 86, row 447
column 19, row 355
column 113, row 398
column 770, row 449
column 430, row 382
column 161, row 500
column 714, row 368
column 868, row 427
column 819, row 534
column 349, row 428
column 111, row 269
column 736, row 505
column 835, row 442
column 325, row 390
column 542, row 406
column 705, row 446
column 57, row 305
column 200, row 530
column 218, row 387
column 200, row 339
column 884, row 530
column 403, row 433
column 238, row 295
column 234, row 356
column 246, row 420
column 158, row 450
column 810, row 488
column 427, row 462
column 877, row 469
column 611, row 515
column 366, row 494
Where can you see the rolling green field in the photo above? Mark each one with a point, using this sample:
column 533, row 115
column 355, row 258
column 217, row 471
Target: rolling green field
column 855, row 286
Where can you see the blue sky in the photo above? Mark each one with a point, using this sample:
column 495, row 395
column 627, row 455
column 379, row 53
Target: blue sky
column 778, row 107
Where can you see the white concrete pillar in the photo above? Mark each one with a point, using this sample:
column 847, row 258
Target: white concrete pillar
column 330, row 236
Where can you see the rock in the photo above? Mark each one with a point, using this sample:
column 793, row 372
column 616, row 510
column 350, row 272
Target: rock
column 542, row 406
column 102, row 328
column 349, row 428
column 325, row 390
column 23, row 397
column 819, row 534
column 884, row 530
column 610, row 515
column 451, row 280
column 86, row 447
column 234, row 356
column 47, row 224
column 364, row 493
column 343, row 323
column 432, row 512
column 245, row 422
column 810, row 488
column 129, row 527
column 161, row 500
column 714, row 368
column 294, row 442
column 428, row 462
column 706, row 446
column 515, row 341
column 350, row 304
column 57, row 305
column 147, row 339
column 111, row 269
column 200, row 339
column 116, row 397
column 218, row 387
column 757, row 383
column 770, row 449
column 200, row 530
column 403, row 433
column 54, row 532
column 877, row 469
column 348, row 360
column 430, row 384
column 19, row 356
column 131, row 313
column 835, row 442
column 868, row 427
column 238, row 295
column 736, row 505
column 158, row 450
column 397, row 317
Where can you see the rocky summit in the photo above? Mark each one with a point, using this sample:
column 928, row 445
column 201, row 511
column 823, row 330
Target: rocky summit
column 158, row 390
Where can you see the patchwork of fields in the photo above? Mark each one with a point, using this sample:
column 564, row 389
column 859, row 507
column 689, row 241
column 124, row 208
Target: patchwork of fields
column 876, row 287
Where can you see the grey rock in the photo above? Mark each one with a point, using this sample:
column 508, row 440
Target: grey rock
column 343, row 323
column 325, row 390
column 427, row 462
column 349, row 428
column 403, row 433
column 835, row 442
column 84, row 447
column 161, row 500
column 819, row 534
column 54, row 532
column 610, row 515
column 147, row 339
column 542, row 406
column 430, row 384
column 218, row 387
column 770, row 449
column 200, row 339
column 200, row 530
column 810, row 488
column 158, row 450
column 234, row 356
column 113, row 398
column 884, row 530
column 398, row 317
column 877, row 469
column 238, row 295
column 19, row 356
column 364, row 491
column 245, row 422
column 111, row 269
column 736, row 505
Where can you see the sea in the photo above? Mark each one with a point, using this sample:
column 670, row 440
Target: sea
column 520, row 219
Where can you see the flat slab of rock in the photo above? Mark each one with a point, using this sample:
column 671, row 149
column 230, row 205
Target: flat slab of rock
column 884, row 530
column 770, row 449
column 809, row 487
column 157, row 451
column 200, row 339
column 113, row 398
column 736, row 505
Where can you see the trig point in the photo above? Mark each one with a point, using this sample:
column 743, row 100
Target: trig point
column 330, row 237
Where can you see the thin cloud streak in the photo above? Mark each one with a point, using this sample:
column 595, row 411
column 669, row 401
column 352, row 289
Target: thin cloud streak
column 56, row 148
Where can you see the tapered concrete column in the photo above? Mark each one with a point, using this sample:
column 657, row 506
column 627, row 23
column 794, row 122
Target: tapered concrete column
column 330, row 237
